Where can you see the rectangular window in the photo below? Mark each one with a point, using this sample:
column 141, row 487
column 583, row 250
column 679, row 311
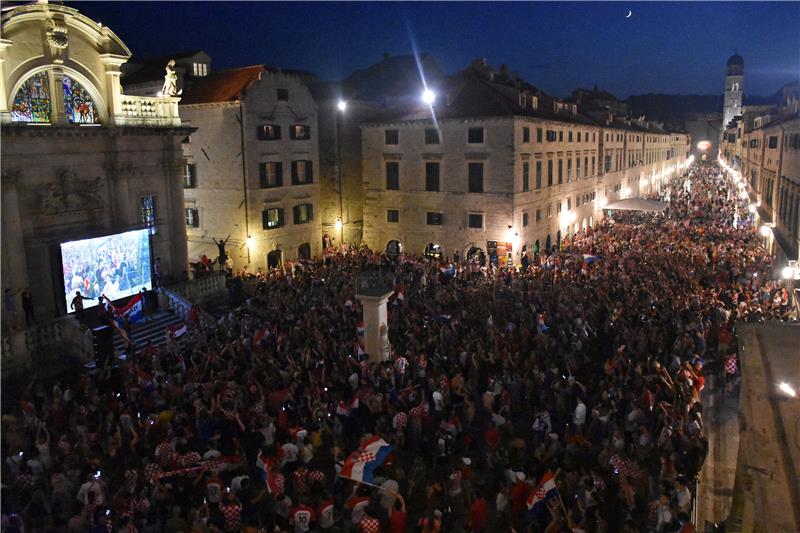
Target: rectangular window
column 475, row 221
column 549, row 211
column 524, row 219
column 148, row 206
column 592, row 165
column 560, row 171
column 579, row 136
column 561, row 136
column 393, row 216
column 303, row 213
column 432, row 177
column 391, row 136
column 283, row 95
column 269, row 132
column 569, row 204
column 569, row 170
column 538, row 135
column 192, row 217
column 549, row 172
column 431, row 136
column 392, row 176
column 526, row 135
column 569, row 137
column 300, row 132
column 302, row 172
column 585, row 166
column 475, row 135
column 272, row 218
column 526, row 176
column 551, row 135
column 271, row 174
column 475, row 172
column 434, row 219
column 773, row 141
column 578, row 168
column 189, row 176
column 538, row 175
column 538, row 215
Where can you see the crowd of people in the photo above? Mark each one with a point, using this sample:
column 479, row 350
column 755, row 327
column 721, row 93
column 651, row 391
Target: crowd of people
column 591, row 372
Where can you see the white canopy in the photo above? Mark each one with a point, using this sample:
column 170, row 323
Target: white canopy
column 637, row 204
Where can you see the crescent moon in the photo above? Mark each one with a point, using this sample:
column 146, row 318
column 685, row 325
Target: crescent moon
column 629, row 14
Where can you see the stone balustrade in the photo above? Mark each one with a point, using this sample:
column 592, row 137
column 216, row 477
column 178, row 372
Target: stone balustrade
column 148, row 111
column 201, row 289
column 42, row 344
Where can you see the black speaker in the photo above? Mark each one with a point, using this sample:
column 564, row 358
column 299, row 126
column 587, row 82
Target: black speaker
column 103, row 340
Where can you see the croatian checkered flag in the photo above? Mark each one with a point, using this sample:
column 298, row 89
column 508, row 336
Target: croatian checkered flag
column 361, row 464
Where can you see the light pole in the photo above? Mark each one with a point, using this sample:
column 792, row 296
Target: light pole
column 341, row 107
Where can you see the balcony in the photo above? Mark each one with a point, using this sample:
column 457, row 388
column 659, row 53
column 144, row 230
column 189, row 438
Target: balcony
column 148, row 111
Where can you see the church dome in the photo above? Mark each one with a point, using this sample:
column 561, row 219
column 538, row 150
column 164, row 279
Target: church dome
column 735, row 66
column 735, row 60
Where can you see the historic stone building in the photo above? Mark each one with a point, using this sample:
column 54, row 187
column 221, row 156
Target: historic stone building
column 80, row 157
column 763, row 144
column 252, row 167
column 495, row 167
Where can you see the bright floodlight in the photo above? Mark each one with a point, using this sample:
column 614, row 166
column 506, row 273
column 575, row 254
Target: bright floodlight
column 338, row 224
column 249, row 242
column 342, row 105
column 602, row 202
column 751, row 208
column 428, row 96
column 787, row 272
column 787, row 389
column 743, row 195
column 765, row 231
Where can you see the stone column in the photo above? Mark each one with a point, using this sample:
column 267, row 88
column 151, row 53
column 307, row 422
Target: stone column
column 376, row 329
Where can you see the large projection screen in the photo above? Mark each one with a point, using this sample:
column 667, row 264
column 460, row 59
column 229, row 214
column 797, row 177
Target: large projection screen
column 114, row 265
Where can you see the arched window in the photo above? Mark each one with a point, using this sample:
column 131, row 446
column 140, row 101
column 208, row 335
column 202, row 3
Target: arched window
column 78, row 105
column 32, row 101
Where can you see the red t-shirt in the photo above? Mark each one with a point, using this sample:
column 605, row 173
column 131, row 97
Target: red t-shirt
column 398, row 522
column 477, row 514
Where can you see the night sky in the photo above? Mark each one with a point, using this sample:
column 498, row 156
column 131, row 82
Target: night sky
column 677, row 48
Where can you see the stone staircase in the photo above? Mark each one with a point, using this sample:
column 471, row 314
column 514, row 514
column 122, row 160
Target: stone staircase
column 151, row 330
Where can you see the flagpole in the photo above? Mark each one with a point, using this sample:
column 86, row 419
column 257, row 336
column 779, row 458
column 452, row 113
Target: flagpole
column 559, row 493
column 370, row 485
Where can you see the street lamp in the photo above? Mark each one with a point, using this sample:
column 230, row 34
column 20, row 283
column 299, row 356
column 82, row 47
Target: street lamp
column 765, row 230
column 342, row 107
column 428, row 96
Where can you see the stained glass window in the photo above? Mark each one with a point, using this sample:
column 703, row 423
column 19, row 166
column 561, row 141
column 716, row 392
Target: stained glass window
column 149, row 213
column 78, row 105
column 32, row 102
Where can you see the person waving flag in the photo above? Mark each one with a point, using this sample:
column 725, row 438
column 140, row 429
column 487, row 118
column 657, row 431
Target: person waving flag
column 363, row 462
column 537, row 501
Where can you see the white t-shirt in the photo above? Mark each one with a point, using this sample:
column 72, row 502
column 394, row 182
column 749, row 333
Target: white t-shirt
column 580, row 414
column 289, row 452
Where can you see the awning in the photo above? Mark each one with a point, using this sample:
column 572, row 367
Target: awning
column 637, row 204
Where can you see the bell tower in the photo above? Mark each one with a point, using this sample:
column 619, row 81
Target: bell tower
column 734, row 85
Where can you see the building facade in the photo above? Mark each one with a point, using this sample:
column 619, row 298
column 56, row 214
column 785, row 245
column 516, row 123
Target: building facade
column 80, row 157
column 763, row 145
column 252, row 168
column 734, row 89
column 495, row 168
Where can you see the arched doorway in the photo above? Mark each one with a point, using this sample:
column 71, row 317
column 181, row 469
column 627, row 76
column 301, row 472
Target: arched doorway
column 536, row 247
column 476, row 255
column 274, row 259
column 558, row 239
column 548, row 244
column 394, row 248
column 304, row 251
column 433, row 251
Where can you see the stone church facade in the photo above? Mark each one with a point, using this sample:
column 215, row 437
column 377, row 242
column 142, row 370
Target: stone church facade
column 80, row 158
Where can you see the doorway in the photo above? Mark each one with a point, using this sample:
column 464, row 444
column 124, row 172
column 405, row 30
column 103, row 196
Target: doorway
column 274, row 259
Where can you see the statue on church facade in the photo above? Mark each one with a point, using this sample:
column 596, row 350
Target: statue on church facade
column 170, row 81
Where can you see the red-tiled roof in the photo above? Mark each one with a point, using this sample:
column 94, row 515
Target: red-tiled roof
column 222, row 86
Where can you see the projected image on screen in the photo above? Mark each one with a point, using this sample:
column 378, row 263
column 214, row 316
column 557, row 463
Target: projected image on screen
column 114, row 265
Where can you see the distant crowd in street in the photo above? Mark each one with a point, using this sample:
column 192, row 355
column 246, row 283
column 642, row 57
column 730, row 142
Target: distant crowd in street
column 589, row 365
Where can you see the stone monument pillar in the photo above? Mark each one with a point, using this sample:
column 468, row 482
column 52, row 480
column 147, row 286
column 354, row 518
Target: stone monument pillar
column 373, row 291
